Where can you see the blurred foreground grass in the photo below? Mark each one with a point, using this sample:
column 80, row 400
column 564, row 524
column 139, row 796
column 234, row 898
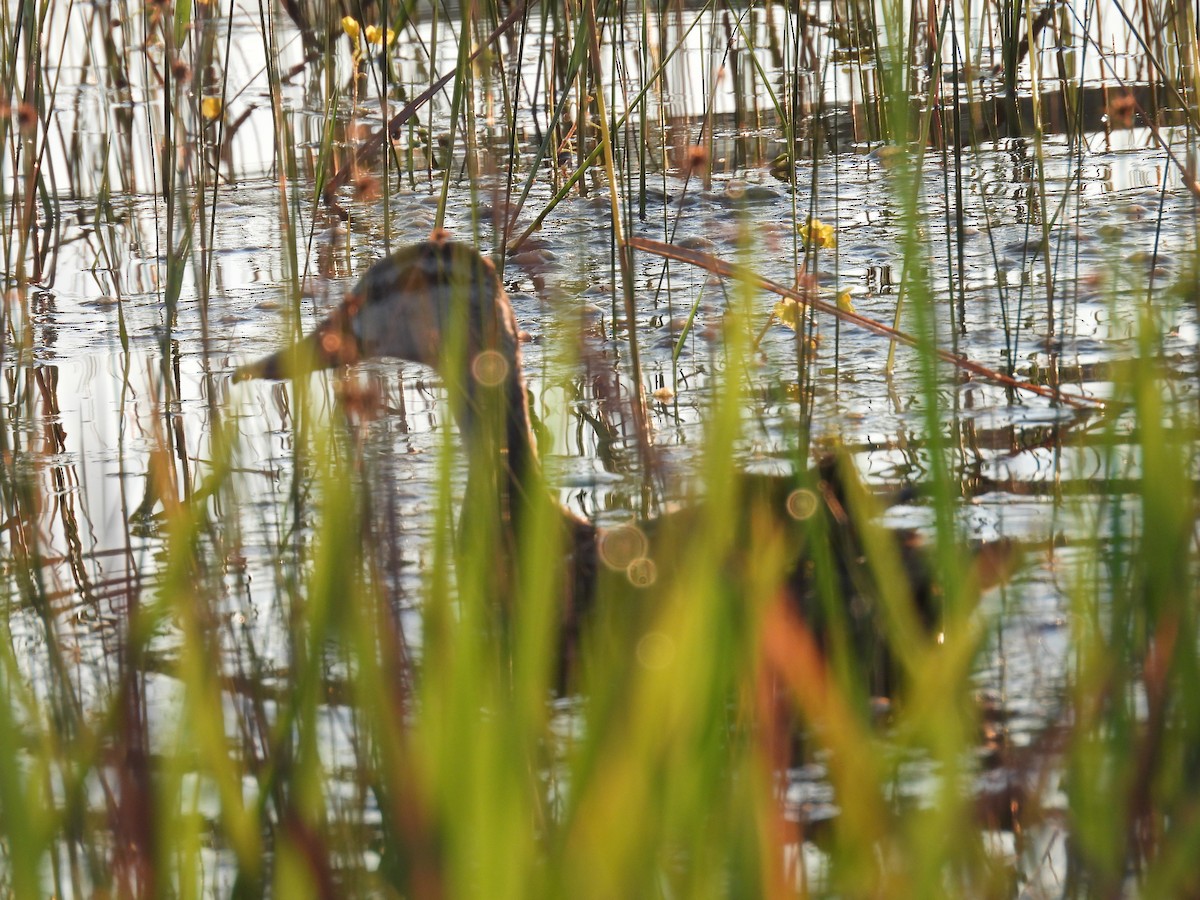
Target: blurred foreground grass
column 377, row 761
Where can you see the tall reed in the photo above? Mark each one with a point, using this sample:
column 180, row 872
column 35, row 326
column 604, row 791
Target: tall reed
column 245, row 692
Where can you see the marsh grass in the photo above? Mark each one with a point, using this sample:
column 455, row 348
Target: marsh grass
column 342, row 729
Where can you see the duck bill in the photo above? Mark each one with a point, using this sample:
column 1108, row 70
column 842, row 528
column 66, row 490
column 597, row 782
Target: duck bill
column 332, row 344
column 300, row 359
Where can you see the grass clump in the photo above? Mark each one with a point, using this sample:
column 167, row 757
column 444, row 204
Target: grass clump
column 241, row 655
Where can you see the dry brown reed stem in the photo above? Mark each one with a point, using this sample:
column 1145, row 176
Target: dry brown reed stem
column 809, row 299
column 369, row 149
column 790, row 650
column 624, row 257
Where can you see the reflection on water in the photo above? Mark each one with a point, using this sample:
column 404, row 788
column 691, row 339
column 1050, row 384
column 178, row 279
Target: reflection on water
column 1042, row 263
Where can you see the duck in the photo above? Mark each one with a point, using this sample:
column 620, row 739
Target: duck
column 440, row 303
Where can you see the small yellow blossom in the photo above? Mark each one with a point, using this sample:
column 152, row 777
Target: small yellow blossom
column 351, row 27
column 844, row 301
column 789, row 313
column 210, row 108
column 376, row 35
column 815, row 233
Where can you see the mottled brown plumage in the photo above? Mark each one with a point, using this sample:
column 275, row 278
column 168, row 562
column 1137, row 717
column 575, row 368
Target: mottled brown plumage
column 441, row 303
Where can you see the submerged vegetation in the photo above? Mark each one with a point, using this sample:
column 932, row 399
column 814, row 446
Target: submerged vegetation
column 267, row 638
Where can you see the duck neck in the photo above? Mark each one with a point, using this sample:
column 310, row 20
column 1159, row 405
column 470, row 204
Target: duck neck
column 503, row 469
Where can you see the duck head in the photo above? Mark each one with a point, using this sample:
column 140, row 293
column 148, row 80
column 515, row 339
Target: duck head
column 438, row 303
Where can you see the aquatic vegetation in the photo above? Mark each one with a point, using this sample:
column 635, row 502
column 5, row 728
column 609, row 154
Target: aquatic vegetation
column 275, row 639
column 815, row 234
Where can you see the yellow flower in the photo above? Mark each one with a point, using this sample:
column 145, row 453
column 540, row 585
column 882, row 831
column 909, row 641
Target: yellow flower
column 815, row 233
column 210, row 108
column 376, row 35
column 843, row 301
column 789, row 313
column 351, row 27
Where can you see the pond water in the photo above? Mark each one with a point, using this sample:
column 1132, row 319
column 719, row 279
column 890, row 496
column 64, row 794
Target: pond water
column 105, row 427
